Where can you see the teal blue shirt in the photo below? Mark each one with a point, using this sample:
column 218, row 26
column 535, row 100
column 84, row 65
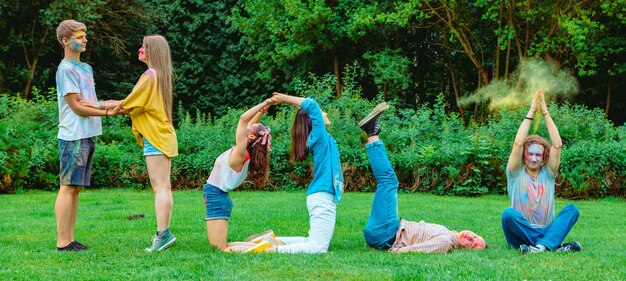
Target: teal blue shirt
column 327, row 173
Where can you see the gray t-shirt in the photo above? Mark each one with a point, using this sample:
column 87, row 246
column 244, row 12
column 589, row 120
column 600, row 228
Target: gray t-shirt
column 534, row 200
column 73, row 77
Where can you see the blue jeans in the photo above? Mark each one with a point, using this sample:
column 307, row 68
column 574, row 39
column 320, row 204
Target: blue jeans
column 383, row 222
column 518, row 231
column 75, row 161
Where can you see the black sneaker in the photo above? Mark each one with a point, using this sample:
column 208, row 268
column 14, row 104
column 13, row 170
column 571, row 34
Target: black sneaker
column 71, row 247
column 369, row 124
column 79, row 245
column 569, row 247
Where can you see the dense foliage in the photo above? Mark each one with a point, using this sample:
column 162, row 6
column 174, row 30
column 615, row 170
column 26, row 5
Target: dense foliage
column 430, row 149
column 228, row 53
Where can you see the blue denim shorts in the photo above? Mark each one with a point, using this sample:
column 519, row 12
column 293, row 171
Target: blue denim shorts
column 217, row 202
column 75, row 160
column 149, row 149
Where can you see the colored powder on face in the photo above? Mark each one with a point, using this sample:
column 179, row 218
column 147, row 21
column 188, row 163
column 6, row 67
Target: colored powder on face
column 535, row 149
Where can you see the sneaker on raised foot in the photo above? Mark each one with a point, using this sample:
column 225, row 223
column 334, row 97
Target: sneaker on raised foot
column 256, row 238
column 259, row 248
column 525, row 249
column 569, row 247
column 161, row 241
column 369, row 124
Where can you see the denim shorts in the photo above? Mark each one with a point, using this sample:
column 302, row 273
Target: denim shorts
column 75, row 160
column 217, row 202
column 149, row 149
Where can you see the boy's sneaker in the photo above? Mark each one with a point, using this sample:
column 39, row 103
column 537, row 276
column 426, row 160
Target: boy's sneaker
column 259, row 248
column 72, row 247
column 161, row 241
column 369, row 124
column 525, row 249
column 569, row 247
column 79, row 245
column 257, row 238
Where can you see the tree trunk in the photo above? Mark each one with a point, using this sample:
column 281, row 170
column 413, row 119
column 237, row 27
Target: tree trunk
column 528, row 31
column 32, row 67
column 520, row 52
column 450, row 19
column 29, row 80
column 336, row 71
column 476, row 104
column 508, row 59
column 455, row 87
column 496, row 72
column 608, row 98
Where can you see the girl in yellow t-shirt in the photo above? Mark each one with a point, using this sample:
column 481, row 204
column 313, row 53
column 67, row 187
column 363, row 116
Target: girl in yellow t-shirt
column 150, row 108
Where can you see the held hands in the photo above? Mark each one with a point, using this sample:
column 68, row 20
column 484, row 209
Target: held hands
column 278, row 98
column 118, row 110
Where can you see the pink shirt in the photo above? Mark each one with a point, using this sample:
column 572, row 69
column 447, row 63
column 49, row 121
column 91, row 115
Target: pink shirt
column 423, row 237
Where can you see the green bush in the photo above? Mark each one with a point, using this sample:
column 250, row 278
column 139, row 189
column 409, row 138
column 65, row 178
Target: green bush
column 430, row 149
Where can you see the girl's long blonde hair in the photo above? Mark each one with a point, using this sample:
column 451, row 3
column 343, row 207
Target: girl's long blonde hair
column 159, row 58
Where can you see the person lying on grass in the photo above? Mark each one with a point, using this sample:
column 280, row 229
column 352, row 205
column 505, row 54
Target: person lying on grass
column 384, row 230
column 529, row 224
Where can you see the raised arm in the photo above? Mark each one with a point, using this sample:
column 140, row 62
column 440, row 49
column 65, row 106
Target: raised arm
column 257, row 117
column 282, row 98
column 515, row 159
column 555, row 138
column 236, row 158
column 318, row 130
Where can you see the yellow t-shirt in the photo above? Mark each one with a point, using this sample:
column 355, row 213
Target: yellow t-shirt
column 147, row 113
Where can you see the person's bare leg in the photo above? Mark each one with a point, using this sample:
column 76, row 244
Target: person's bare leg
column 217, row 232
column 159, row 169
column 65, row 209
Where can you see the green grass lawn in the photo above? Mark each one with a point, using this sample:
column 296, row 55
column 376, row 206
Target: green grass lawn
column 27, row 243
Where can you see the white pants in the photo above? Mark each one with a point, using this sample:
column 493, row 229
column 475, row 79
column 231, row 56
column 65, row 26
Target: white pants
column 322, row 216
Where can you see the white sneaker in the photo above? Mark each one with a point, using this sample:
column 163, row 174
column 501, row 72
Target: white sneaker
column 257, row 238
column 259, row 248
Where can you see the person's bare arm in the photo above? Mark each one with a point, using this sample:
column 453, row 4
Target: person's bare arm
column 236, row 158
column 515, row 159
column 107, row 104
column 555, row 138
column 73, row 100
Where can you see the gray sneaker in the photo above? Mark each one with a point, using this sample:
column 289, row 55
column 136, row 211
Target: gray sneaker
column 525, row 249
column 161, row 241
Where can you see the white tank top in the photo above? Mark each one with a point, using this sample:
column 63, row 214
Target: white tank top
column 223, row 176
